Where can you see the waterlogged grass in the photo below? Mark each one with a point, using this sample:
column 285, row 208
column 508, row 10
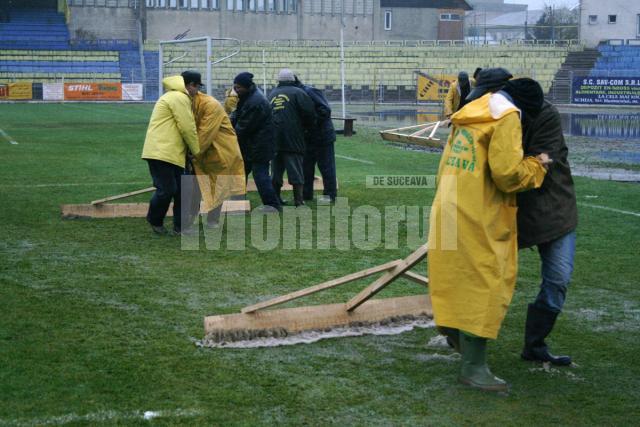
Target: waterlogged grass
column 99, row 317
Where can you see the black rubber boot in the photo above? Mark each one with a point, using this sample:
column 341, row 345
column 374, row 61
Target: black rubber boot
column 298, row 200
column 539, row 325
column 452, row 335
column 277, row 191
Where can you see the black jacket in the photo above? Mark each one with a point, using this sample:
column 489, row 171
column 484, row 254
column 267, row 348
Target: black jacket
column 293, row 111
column 253, row 123
column 549, row 212
column 323, row 133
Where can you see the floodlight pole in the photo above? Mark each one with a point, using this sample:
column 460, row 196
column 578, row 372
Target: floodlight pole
column 209, row 59
column 344, row 108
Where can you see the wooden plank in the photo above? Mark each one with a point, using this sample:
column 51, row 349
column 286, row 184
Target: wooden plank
column 406, row 128
column 123, row 196
column 135, row 210
column 320, row 316
column 407, row 139
column 417, row 278
column 387, row 278
column 322, row 286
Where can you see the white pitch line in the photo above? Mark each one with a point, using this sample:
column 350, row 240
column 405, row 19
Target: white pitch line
column 101, row 417
column 8, row 138
column 355, row 160
column 606, row 208
column 73, row 184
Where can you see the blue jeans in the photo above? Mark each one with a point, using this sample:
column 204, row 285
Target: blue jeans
column 557, row 267
column 260, row 171
column 324, row 156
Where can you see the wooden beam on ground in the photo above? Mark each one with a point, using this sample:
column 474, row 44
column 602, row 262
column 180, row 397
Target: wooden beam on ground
column 387, row 278
column 136, row 210
column 320, row 316
column 417, row 278
column 123, row 196
column 321, row 287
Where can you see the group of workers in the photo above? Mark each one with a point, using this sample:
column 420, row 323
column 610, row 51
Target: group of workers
column 191, row 133
column 504, row 183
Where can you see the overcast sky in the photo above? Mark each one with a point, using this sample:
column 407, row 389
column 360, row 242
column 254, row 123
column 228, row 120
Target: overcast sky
column 539, row 4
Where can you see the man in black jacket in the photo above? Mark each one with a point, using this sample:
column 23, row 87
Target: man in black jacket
column 253, row 124
column 547, row 217
column 293, row 111
column 319, row 141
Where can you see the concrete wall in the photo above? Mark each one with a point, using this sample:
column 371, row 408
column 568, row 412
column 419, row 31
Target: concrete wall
column 626, row 26
column 103, row 23
column 408, row 24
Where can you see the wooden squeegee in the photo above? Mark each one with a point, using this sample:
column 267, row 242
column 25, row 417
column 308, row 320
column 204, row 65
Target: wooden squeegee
column 256, row 322
column 416, row 134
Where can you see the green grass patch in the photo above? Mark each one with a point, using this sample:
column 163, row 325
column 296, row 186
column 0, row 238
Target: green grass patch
column 99, row 317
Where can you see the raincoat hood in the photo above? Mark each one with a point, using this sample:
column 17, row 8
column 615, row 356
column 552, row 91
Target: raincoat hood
column 488, row 108
column 174, row 83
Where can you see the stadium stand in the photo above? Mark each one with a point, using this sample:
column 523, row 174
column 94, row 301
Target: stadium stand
column 617, row 61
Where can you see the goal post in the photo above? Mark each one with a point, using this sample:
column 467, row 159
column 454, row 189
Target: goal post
column 176, row 56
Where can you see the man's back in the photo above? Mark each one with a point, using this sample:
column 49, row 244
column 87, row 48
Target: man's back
column 293, row 110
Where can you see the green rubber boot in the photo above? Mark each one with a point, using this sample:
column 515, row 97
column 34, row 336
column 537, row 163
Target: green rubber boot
column 452, row 335
column 475, row 372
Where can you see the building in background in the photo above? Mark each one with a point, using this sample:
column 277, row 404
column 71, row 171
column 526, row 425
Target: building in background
column 606, row 20
column 271, row 19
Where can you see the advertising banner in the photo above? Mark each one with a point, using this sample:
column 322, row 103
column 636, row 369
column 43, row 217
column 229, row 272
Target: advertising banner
column 132, row 92
column 22, row 90
column 432, row 88
column 606, row 90
column 93, row 91
column 52, row 91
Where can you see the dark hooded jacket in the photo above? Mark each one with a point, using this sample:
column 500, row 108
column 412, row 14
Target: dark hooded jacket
column 293, row 111
column 253, row 123
column 323, row 133
column 549, row 212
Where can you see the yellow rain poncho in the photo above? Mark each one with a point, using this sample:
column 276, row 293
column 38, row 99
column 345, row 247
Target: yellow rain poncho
column 171, row 127
column 219, row 167
column 472, row 236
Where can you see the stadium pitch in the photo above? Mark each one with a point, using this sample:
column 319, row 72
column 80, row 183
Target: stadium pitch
column 100, row 317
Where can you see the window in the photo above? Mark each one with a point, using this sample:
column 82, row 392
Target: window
column 638, row 25
column 593, row 19
column 387, row 20
column 215, row 4
column 271, row 5
column 613, row 19
column 450, row 17
column 260, row 5
column 172, row 4
column 252, row 5
column 194, row 4
column 240, row 5
column 184, row 4
column 230, row 4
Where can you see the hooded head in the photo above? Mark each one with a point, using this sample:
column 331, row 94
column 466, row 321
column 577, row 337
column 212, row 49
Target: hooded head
column 489, row 80
column 527, row 95
column 174, row 83
column 286, row 75
column 242, row 83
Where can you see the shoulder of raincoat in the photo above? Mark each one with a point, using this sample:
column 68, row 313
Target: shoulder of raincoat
column 452, row 100
column 549, row 212
column 323, row 133
column 253, row 123
column 230, row 101
column 472, row 234
column 293, row 111
column 219, row 166
column 172, row 128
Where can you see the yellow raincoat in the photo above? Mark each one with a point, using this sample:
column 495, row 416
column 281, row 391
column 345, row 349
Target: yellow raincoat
column 452, row 100
column 171, row 128
column 472, row 235
column 230, row 101
column 219, row 167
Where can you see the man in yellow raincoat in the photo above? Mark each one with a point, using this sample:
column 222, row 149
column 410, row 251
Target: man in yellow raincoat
column 219, row 168
column 171, row 131
column 472, row 236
